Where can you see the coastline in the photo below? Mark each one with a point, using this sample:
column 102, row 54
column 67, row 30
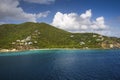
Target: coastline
column 9, row 50
column 15, row 50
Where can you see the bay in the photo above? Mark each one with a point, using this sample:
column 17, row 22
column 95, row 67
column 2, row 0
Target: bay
column 60, row 65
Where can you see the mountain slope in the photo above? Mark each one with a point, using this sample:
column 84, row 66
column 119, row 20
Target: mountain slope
column 40, row 35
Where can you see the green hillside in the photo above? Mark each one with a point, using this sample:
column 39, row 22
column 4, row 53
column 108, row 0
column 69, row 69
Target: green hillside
column 40, row 35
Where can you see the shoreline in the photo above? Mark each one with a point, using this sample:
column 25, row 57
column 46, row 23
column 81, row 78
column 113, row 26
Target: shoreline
column 14, row 50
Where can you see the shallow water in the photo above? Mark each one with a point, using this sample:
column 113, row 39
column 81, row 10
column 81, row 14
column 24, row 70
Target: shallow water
column 60, row 65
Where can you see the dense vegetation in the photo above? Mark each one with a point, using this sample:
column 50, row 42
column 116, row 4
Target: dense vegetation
column 40, row 35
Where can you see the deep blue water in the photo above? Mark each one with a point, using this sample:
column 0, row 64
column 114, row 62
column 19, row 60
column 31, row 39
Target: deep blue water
column 60, row 65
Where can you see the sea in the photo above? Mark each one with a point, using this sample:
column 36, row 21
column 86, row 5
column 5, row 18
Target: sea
column 60, row 65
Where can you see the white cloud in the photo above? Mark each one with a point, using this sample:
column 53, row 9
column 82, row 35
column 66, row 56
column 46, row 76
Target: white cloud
column 88, row 14
column 43, row 14
column 40, row 1
column 2, row 23
column 9, row 10
column 99, row 23
column 78, row 23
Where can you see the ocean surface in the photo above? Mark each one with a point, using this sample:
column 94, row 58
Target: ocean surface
column 60, row 65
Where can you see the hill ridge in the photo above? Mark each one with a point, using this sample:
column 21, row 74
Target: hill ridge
column 31, row 35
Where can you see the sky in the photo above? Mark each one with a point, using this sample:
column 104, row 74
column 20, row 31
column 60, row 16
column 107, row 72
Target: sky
column 77, row 16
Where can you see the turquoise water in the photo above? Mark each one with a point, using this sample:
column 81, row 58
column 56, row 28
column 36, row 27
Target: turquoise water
column 60, row 65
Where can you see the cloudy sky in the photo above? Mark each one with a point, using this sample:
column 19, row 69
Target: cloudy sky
column 98, row 16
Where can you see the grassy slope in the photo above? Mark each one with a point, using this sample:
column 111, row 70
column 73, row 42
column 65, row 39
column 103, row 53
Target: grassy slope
column 49, row 37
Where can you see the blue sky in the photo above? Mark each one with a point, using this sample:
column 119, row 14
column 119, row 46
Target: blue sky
column 102, row 15
column 107, row 8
